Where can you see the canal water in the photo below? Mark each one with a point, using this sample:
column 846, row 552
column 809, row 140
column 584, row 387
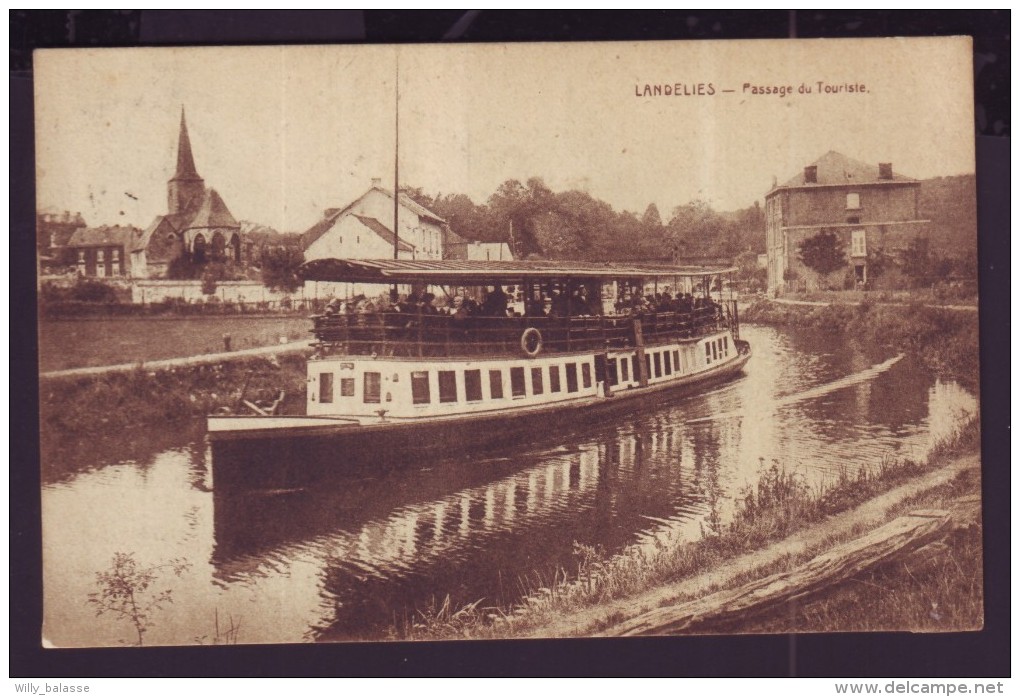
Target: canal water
column 353, row 558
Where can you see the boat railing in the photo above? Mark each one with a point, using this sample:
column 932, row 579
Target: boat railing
column 427, row 334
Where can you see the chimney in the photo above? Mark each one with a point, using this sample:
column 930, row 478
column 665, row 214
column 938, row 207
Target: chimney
column 885, row 170
column 811, row 174
column 376, row 181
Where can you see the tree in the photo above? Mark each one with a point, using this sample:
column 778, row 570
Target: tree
column 279, row 268
column 651, row 218
column 822, row 253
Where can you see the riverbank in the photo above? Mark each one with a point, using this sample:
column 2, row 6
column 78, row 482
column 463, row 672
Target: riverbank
column 779, row 523
column 946, row 341
column 80, row 404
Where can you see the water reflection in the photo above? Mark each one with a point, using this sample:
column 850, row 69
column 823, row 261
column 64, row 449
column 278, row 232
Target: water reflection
column 350, row 557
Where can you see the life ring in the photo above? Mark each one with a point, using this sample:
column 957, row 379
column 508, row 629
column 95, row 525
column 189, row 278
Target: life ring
column 531, row 342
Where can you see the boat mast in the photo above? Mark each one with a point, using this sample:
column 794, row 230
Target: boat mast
column 396, row 160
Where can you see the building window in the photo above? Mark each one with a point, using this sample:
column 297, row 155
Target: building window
column 420, row 387
column 853, row 220
column 496, row 384
column 858, row 244
column 571, row 377
column 346, row 387
column 325, row 388
column 517, row 382
column 853, row 202
column 536, row 381
column 586, row 375
column 447, row 386
column 373, row 388
column 554, row 378
column 473, row 385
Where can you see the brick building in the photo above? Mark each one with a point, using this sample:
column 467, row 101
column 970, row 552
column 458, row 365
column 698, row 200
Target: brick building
column 869, row 208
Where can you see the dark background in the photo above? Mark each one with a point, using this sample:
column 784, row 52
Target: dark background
column 983, row 653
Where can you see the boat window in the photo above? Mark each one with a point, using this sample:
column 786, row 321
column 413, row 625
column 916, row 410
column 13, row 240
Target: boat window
column 517, row 382
column 571, row 377
column 648, row 365
column 658, row 364
column 611, row 375
column 473, row 385
column 708, row 352
column 420, row 387
column 554, row 378
column 635, row 369
column 715, row 349
column 726, row 345
column 586, row 375
column 346, row 387
column 447, row 386
column 536, row 381
column 496, row 384
column 625, row 369
column 676, row 360
column 667, row 363
column 373, row 385
column 325, row 388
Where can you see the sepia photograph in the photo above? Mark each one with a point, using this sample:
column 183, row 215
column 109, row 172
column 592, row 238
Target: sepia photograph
column 408, row 342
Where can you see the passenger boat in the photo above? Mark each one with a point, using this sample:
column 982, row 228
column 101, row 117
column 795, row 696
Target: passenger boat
column 583, row 343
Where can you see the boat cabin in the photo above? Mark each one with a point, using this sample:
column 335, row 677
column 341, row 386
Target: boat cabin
column 462, row 337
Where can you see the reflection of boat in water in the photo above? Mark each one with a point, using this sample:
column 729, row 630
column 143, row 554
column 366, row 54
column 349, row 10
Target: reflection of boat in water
column 409, row 379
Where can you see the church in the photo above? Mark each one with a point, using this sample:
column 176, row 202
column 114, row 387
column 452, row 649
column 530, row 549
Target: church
column 197, row 224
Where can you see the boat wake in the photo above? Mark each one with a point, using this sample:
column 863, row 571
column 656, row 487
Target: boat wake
column 818, row 391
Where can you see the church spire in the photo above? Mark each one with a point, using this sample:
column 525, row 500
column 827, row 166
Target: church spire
column 186, row 189
column 185, row 160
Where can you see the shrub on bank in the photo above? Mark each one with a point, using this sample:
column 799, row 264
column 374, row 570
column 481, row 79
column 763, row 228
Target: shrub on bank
column 85, row 404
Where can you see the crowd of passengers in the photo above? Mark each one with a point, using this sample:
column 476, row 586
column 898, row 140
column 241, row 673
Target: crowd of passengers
column 497, row 304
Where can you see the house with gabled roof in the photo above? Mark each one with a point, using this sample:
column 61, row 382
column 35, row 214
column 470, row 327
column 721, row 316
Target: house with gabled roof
column 102, row 252
column 197, row 224
column 364, row 229
column 867, row 208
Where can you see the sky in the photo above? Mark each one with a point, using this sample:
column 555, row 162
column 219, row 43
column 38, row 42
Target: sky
column 284, row 132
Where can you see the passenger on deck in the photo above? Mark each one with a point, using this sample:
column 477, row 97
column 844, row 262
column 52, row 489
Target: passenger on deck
column 560, row 306
column 496, row 302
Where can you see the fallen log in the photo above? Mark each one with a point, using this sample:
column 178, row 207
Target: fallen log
column 893, row 540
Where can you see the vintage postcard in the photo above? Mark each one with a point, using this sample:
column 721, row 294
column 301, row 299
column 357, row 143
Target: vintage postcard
column 372, row 343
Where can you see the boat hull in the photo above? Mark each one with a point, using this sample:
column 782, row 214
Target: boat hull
column 290, row 451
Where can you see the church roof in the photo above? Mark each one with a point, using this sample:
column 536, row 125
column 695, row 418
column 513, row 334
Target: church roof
column 836, row 169
column 185, row 160
column 211, row 213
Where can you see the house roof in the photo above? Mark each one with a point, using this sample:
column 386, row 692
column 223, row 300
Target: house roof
column 412, row 205
column 836, row 169
column 103, row 236
column 329, row 220
column 383, row 232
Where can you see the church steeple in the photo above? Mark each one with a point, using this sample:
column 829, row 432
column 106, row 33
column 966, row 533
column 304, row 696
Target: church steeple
column 186, row 188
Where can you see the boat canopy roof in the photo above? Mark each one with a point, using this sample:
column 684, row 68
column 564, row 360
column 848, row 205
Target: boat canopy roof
column 467, row 272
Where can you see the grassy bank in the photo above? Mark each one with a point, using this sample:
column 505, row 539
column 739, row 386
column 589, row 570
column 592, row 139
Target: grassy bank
column 937, row 589
column 94, row 342
column 778, row 505
column 88, row 404
column 944, row 340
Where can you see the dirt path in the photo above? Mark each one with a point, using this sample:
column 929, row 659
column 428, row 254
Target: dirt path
column 595, row 621
column 292, row 347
